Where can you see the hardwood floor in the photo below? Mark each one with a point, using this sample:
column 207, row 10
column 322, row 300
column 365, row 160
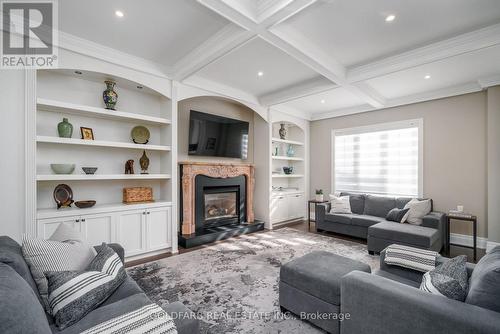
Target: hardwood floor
column 303, row 226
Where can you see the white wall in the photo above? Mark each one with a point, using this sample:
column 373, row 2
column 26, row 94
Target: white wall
column 12, row 153
column 494, row 164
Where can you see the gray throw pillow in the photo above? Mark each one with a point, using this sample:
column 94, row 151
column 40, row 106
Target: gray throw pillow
column 48, row 255
column 449, row 279
column 484, row 284
column 73, row 294
column 396, row 215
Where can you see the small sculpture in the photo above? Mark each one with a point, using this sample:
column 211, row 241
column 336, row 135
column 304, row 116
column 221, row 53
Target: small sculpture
column 282, row 131
column 144, row 162
column 129, row 167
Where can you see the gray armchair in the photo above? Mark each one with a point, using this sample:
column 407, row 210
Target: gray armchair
column 389, row 301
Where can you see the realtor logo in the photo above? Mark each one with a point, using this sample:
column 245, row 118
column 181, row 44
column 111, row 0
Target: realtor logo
column 29, row 31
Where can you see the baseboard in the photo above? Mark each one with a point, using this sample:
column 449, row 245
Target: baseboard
column 467, row 240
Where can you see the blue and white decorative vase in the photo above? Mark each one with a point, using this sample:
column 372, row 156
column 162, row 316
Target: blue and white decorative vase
column 290, row 151
column 109, row 96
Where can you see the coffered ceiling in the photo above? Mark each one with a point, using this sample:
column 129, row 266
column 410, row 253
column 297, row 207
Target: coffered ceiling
column 312, row 58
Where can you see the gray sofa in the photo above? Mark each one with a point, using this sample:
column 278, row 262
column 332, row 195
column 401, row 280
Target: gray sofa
column 22, row 312
column 389, row 301
column 368, row 221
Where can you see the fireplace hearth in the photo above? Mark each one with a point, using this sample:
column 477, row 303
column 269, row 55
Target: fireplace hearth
column 216, row 202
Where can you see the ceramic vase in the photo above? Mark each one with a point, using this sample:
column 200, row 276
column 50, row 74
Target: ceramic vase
column 282, row 131
column 109, row 96
column 290, row 151
column 65, row 129
column 319, row 198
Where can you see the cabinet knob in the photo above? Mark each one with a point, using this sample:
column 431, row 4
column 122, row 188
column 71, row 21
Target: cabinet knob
column 83, row 219
column 144, row 212
column 148, row 212
column 77, row 220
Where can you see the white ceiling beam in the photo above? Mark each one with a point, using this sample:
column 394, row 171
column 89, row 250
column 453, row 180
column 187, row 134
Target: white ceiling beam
column 451, row 47
column 490, row 81
column 309, row 54
column 292, row 111
column 284, row 11
column 469, row 87
column 217, row 46
column 230, row 13
column 303, row 89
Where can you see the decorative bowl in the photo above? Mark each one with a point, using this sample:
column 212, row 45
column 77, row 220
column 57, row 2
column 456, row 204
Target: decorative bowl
column 89, row 170
column 288, row 170
column 85, row 204
column 63, row 168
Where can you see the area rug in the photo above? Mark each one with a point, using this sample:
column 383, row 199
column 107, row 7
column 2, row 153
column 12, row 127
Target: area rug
column 232, row 286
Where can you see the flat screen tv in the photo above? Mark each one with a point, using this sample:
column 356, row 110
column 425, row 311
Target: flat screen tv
column 217, row 136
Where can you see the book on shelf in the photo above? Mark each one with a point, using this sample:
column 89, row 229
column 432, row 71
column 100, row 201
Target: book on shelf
column 459, row 214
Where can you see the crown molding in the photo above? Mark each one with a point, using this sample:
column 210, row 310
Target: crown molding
column 490, row 81
column 98, row 51
column 281, row 10
column 300, row 90
column 470, row 87
column 451, row 47
column 291, row 112
column 224, row 41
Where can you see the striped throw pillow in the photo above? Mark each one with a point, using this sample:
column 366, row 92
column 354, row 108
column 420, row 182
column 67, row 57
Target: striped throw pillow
column 49, row 255
column 410, row 257
column 73, row 294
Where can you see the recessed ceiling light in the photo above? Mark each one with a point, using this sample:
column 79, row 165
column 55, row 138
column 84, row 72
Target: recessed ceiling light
column 390, row 18
column 323, row 101
column 119, row 13
column 260, row 73
column 427, row 76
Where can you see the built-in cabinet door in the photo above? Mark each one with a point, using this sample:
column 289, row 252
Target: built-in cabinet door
column 46, row 227
column 279, row 208
column 158, row 228
column 98, row 228
column 131, row 231
column 295, row 206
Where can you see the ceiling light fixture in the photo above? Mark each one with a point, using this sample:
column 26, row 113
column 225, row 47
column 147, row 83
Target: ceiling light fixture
column 427, row 76
column 260, row 73
column 390, row 18
column 323, row 101
column 119, row 13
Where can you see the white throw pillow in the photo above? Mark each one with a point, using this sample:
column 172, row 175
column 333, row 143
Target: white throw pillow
column 51, row 255
column 418, row 209
column 340, row 204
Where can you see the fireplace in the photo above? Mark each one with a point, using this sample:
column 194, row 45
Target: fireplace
column 216, row 202
column 219, row 201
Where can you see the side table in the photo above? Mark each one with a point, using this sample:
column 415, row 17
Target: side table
column 472, row 219
column 309, row 210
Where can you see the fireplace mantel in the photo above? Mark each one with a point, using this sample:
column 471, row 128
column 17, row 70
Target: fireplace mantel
column 212, row 169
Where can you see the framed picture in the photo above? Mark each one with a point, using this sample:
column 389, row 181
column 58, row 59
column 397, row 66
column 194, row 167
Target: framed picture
column 87, row 133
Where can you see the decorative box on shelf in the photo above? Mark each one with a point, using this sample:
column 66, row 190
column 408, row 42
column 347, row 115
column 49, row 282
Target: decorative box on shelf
column 137, row 195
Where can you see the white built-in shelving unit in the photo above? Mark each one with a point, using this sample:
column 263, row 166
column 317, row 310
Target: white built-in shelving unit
column 143, row 229
column 288, row 190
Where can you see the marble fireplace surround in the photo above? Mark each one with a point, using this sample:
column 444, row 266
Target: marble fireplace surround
column 212, row 169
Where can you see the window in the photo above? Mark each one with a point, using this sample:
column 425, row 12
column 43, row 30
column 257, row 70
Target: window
column 383, row 159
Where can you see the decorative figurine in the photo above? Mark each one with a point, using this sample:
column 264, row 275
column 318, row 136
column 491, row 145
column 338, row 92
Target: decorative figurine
column 129, row 167
column 282, row 131
column 144, row 162
column 65, row 129
column 109, row 96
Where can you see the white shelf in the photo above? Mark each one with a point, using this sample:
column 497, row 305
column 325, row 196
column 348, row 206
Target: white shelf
column 84, row 110
column 285, row 141
column 287, row 175
column 84, row 177
column 100, row 143
column 98, row 208
column 282, row 157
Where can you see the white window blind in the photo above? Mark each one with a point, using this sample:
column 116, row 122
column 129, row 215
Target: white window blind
column 378, row 161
